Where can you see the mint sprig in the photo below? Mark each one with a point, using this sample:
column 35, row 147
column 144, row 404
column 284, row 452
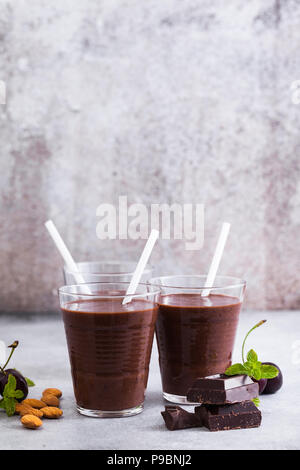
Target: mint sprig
column 252, row 366
column 10, row 396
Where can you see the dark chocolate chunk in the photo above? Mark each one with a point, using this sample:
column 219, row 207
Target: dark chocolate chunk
column 223, row 417
column 176, row 417
column 222, row 389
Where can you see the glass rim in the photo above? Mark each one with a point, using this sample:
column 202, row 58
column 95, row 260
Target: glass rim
column 233, row 282
column 63, row 290
column 148, row 268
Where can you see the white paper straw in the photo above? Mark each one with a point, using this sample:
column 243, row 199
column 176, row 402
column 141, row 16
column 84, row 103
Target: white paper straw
column 65, row 253
column 216, row 258
column 141, row 266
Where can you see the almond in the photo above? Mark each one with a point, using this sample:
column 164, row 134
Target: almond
column 28, row 410
column 53, row 391
column 31, row 422
column 33, row 403
column 52, row 412
column 50, row 400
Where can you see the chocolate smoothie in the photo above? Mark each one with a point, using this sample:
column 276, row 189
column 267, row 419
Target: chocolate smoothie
column 195, row 337
column 109, row 347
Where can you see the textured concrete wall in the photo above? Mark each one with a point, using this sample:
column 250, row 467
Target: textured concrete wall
column 173, row 101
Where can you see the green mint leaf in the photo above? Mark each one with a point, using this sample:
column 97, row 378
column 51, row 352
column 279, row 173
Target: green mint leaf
column 268, row 372
column 30, row 383
column 9, row 393
column 236, row 369
column 10, row 387
column 252, row 356
column 256, row 401
column 256, row 373
column 10, row 406
column 18, row 394
column 248, row 367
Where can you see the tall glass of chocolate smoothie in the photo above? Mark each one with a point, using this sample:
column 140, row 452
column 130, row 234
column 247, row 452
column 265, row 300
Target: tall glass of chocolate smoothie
column 109, row 345
column 195, row 329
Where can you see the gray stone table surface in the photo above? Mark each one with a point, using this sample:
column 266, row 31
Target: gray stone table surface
column 42, row 356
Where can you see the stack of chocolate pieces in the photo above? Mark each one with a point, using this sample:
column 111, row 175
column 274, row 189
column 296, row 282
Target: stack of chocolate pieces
column 225, row 404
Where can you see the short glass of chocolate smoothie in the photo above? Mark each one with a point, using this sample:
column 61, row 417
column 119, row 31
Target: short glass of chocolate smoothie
column 105, row 271
column 109, row 345
column 195, row 329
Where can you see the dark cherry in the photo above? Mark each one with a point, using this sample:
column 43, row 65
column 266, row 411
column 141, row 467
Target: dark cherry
column 262, row 383
column 273, row 385
column 21, row 382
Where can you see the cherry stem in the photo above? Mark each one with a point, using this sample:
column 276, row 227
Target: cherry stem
column 255, row 326
column 13, row 347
